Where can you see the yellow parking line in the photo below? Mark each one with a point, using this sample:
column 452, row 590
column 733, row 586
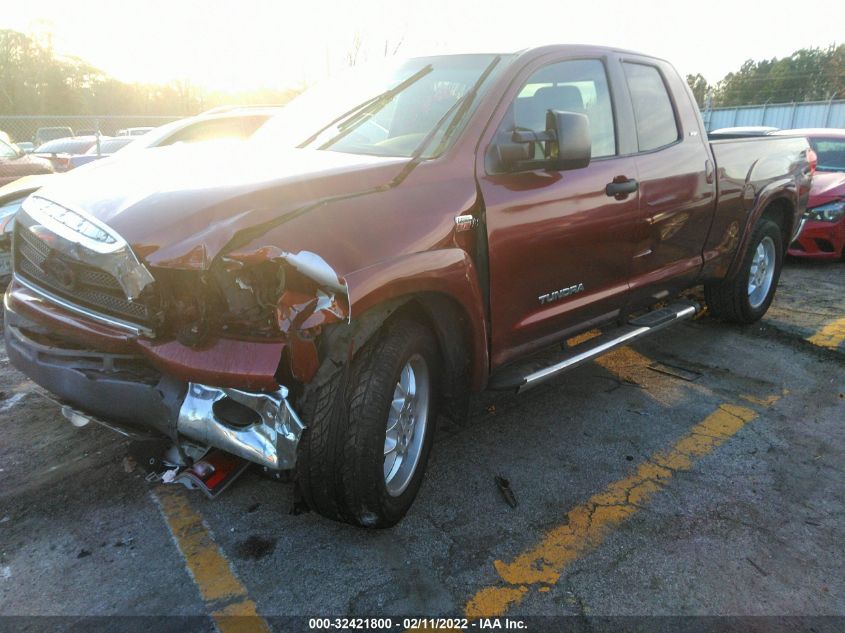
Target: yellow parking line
column 831, row 335
column 588, row 524
column 224, row 595
column 629, row 366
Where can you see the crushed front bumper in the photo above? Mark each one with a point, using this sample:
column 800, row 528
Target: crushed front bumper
column 124, row 391
column 819, row 240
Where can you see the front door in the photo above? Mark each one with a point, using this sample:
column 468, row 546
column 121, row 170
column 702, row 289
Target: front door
column 560, row 247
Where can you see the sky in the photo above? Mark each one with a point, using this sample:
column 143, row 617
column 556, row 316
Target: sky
column 253, row 44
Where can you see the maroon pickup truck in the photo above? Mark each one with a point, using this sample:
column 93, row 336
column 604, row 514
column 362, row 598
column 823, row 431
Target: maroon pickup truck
column 438, row 226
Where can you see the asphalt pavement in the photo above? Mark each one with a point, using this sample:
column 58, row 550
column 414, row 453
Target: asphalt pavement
column 697, row 473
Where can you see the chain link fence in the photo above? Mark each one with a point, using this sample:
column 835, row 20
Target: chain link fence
column 25, row 128
column 781, row 115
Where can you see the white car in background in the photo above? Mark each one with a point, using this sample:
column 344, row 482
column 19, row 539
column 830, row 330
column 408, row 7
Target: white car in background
column 231, row 123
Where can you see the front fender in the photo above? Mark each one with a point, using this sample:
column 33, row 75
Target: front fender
column 450, row 272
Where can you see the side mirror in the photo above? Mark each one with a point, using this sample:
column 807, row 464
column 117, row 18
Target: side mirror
column 574, row 146
column 566, row 145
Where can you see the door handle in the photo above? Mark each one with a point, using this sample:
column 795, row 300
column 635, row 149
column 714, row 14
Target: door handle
column 621, row 187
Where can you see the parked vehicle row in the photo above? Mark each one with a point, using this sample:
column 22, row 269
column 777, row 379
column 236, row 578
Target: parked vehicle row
column 388, row 243
column 59, row 151
column 822, row 235
column 232, row 123
column 822, row 232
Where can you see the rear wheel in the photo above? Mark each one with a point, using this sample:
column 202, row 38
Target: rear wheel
column 369, row 429
column 747, row 296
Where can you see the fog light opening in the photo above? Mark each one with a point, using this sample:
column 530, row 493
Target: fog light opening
column 234, row 413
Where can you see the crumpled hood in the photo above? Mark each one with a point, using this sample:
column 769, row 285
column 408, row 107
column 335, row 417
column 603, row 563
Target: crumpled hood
column 827, row 186
column 179, row 206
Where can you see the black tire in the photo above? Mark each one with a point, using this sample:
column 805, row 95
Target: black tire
column 729, row 299
column 340, row 459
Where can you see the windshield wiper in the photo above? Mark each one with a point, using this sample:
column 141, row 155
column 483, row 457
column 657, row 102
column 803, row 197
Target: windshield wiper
column 345, row 121
column 457, row 112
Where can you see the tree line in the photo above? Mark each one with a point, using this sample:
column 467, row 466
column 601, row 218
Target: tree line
column 36, row 81
column 809, row 74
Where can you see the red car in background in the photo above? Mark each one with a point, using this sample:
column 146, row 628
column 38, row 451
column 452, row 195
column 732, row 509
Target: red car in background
column 15, row 163
column 823, row 232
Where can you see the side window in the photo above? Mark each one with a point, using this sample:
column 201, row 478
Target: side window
column 656, row 125
column 573, row 86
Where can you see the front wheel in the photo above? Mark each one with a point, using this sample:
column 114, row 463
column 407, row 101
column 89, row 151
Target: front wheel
column 370, row 428
column 747, row 296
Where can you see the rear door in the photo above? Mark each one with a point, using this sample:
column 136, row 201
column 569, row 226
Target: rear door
column 559, row 246
column 677, row 193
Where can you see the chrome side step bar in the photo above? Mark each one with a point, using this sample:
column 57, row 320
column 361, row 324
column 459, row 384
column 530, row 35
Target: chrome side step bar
column 569, row 359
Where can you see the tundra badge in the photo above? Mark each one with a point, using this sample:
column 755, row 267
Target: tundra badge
column 556, row 295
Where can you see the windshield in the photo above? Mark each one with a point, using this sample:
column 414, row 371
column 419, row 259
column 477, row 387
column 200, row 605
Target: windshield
column 830, row 152
column 385, row 110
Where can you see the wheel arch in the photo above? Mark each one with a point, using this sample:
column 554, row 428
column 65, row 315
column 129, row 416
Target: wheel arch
column 444, row 283
column 440, row 289
column 781, row 211
column 777, row 203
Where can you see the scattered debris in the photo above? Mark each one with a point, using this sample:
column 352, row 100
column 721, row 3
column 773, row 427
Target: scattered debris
column 12, row 401
column 129, row 464
column 6, row 572
column 151, row 456
column 277, row 475
column 212, row 474
column 299, row 506
column 757, row 567
column 255, row 548
column 813, row 523
column 169, row 475
column 507, row 493
column 675, row 371
column 5, row 519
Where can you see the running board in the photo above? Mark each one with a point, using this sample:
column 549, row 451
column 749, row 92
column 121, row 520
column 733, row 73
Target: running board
column 533, row 372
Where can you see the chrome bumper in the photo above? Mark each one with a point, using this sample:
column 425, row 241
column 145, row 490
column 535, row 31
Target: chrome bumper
column 260, row 427
column 270, row 441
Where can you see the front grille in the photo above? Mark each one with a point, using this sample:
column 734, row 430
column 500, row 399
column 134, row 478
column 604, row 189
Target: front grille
column 92, row 288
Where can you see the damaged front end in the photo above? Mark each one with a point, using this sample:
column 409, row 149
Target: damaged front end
column 260, row 427
column 268, row 295
column 215, row 355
